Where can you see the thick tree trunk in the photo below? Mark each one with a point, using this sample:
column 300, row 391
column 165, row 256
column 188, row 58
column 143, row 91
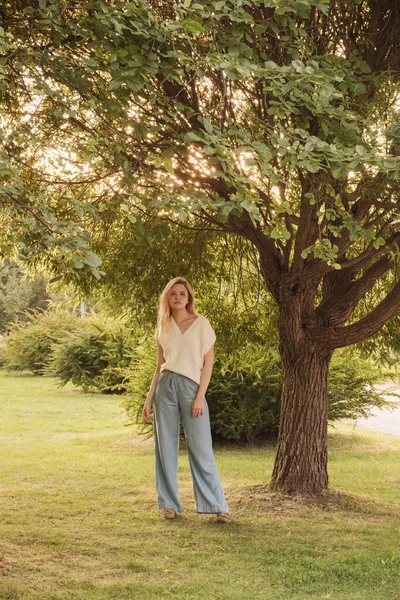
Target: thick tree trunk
column 301, row 460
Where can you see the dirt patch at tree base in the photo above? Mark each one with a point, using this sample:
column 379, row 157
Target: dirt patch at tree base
column 279, row 503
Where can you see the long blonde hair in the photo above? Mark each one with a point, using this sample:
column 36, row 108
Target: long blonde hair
column 164, row 309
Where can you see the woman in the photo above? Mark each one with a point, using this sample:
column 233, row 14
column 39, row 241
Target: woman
column 185, row 356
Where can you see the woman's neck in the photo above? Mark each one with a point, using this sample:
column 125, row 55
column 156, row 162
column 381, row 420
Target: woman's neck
column 181, row 314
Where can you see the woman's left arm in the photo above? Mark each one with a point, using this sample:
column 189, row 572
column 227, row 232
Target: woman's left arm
column 198, row 404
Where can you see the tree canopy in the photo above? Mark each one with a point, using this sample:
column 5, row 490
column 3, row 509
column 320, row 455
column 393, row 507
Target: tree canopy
column 273, row 120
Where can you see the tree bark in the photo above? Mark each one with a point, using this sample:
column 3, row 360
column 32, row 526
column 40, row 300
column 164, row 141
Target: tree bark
column 301, row 463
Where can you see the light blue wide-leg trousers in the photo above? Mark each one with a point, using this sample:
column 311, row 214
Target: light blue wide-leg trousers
column 173, row 399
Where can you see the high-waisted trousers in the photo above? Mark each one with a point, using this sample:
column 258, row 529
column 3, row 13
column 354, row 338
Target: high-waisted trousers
column 173, row 400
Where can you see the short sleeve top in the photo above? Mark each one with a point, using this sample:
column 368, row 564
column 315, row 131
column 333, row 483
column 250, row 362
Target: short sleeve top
column 184, row 352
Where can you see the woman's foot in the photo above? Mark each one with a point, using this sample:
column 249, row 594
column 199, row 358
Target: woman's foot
column 167, row 513
column 223, row 517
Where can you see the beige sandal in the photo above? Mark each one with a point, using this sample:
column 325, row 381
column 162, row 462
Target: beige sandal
column 167, row 513
column 223, row 517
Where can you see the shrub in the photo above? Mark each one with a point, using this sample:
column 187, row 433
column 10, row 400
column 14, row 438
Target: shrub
column 244, row 394
column 138, row 379
column 95, row 356
column 19, row 294
column 3, row 352
column 29, row 345
column 351, row 392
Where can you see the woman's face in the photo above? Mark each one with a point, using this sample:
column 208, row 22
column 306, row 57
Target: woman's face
column 178, row 296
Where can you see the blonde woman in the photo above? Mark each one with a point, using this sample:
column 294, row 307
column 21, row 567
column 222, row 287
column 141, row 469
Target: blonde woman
column 185, row 356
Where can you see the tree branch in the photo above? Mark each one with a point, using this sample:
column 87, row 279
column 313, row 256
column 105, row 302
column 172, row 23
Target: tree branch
column 337, row 307
column 307, row 232
column 351, row 334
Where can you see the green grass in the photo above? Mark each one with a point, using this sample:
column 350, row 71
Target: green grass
column 79, row 517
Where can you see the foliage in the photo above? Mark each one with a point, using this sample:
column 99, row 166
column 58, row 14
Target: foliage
column 19, row 293
column 3, row 352
column 90, row 352
column 94, row 355
column 30, row 343
column 224, row 272
column 253, row 118
column 273, row 120
column 385, row 345
column 351, row 392
column 138, row 379
column 244, row 392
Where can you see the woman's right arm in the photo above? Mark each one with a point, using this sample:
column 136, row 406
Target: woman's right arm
column 149, row 399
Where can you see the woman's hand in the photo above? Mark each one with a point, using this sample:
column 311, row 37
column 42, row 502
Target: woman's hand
column 198, row 408
column 147, row 417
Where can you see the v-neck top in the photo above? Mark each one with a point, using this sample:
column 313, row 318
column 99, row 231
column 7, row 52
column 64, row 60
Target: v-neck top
column 184, row 352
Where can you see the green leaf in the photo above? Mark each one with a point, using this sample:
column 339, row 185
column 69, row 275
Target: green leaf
column 378, row 242
column 209, row 150
column 96, row 273
column 285, row 207
column 275, row 27
column 311, row 197
column 168, row 165
column 298, row 65
column 249, row 206
column 339, row 172
column 78, row 264
column 92, row 260
column 208, row 126
column 227, row 209
column 193, row 26
column 287, row 87
column 192, row 137
column 114, row 85
column 280, row 232
column 313, row 167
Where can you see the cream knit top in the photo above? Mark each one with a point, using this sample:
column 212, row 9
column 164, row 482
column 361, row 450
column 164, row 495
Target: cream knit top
column 184, row 352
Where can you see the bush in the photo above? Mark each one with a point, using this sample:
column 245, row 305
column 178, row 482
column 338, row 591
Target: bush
column 95, row 356
column 19, row 294
column 29, row 345
column 3, row 352
column 138, row 378
column 244, row 392
column 92, row 352
column 351, row 392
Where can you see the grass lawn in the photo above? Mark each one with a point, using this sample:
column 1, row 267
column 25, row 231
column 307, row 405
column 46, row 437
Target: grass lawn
column 79, row 517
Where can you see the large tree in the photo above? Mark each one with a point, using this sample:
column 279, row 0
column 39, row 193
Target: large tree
column 273, row 120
